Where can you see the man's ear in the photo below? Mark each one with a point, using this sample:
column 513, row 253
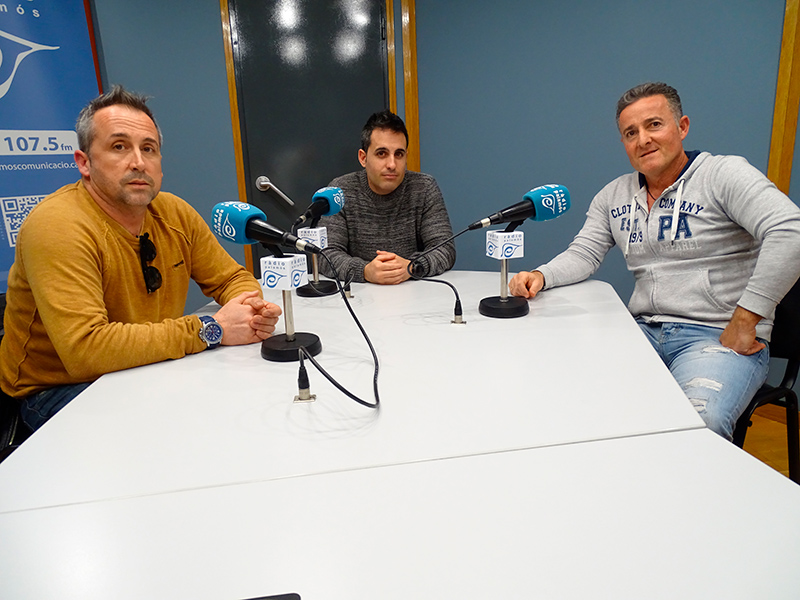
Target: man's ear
column 683, row 126
column 362, row 157
column 82, row 160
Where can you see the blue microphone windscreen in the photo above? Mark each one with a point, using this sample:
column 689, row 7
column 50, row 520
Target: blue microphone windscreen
column 551, row 201
column 229, row 220
column 334, row 196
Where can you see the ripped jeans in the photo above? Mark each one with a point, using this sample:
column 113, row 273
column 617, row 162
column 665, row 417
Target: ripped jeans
column 718, row 382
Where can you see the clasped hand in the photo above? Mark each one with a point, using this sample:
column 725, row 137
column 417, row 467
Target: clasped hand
column 247, row 319
column 387, row 268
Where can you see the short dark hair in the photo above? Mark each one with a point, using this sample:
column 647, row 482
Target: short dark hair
column 645, row 90
column 118, row 95
column 384, row 119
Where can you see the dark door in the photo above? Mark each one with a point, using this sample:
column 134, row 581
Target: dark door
column 308, row 74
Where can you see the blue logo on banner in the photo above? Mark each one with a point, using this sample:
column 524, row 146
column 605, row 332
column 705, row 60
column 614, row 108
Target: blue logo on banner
column 27, row 49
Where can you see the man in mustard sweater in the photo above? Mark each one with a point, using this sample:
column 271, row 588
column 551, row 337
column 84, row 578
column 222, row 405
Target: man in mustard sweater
column 102, row 268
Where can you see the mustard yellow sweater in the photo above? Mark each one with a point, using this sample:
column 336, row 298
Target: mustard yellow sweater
column 77, row 306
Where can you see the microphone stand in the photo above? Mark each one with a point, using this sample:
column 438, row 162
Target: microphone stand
column 504, row 306
column 286, row 346
column 316, row 287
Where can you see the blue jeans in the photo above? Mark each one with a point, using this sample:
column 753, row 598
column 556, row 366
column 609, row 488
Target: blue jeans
column 37, row 408
column 718, row 382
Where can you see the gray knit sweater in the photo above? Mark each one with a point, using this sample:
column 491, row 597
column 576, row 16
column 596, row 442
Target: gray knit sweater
column 721, row 235
column 411, row 219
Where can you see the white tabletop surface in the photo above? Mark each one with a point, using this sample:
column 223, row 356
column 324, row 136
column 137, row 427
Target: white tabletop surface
column 677, row 515
column 576, row 368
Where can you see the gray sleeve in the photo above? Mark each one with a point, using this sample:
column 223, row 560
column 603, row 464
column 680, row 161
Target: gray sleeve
column 348, row 268
column 585, row 253
column 433, row 229
column 753, row 202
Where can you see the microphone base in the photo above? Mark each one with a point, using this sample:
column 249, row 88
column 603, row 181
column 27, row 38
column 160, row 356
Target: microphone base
column 503, row 308
column 279, row 349
column 316, row 289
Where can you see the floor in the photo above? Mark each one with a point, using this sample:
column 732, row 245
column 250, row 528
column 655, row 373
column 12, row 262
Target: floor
column 766, row 438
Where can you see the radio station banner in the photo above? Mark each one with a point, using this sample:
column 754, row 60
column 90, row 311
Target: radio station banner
column 47, row 74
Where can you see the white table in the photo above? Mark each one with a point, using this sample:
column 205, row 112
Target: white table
column 662, row 516
column 576, row 369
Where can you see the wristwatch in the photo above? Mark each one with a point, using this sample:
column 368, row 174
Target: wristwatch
column 210, row 332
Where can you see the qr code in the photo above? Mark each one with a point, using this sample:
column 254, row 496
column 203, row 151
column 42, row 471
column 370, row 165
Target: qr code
column 14, row 212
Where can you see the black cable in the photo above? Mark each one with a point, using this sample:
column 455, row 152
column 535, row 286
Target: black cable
column 311, row 284
column 457, row 311
column 302, row 351
column 429, row 250
column 295, row 225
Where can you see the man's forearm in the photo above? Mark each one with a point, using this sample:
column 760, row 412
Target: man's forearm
column 347, row 267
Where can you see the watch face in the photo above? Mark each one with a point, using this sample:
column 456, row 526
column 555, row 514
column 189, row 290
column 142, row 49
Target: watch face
column 213, row 333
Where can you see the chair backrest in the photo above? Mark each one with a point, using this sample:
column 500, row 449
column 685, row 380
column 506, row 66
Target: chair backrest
column 785, row 342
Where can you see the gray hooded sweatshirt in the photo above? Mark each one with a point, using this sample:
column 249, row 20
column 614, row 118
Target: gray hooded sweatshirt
column 721, row 235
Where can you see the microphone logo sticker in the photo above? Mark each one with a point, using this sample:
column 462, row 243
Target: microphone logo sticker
column 226, row 228
column 556, row 200
column 297, row 278
column 242, row 207
column 227, row 215
column 333, row 195
column 284, row 273
column 550, row 201
column 338, row 197
column 272, row 278
column 502, row 245
column 317, row 235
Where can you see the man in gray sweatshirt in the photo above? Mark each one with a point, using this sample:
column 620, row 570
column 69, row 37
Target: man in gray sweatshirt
column 713, row 244
column 390, row 215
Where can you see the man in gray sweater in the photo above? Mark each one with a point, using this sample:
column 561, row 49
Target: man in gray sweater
column 713, row 244
column 390, row 215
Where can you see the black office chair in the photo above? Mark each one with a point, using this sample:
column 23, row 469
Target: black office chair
column 12, row 430
column 785, row 343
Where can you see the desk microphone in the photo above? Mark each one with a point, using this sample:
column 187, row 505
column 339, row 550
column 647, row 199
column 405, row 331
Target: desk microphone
column 325, row 202
column 243, row 223
column 540, row 204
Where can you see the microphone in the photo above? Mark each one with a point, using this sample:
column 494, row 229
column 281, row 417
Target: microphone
column 243, row 223
column 540, row 204
column 325, row 202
